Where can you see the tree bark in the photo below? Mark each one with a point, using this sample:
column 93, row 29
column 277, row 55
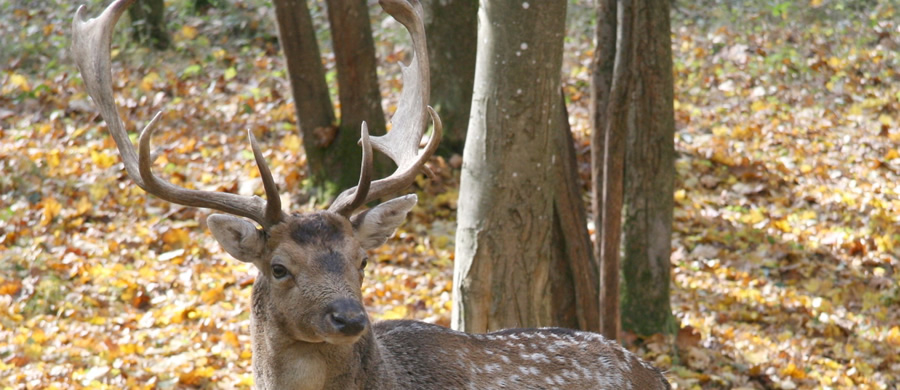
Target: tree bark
column 507, row 271
column 610, row 121
column 315, row 114
column 354, row 55
column 333, row 156
column 451, row 29
column 148, row 21
column 649, row 175
column 570, row 231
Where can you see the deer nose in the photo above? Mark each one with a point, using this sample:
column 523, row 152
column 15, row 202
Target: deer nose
column 347, row 317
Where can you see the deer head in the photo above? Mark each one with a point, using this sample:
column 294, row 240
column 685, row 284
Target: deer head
column 310, row 265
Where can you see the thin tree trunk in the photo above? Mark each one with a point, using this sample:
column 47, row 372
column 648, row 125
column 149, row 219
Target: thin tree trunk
column 354, row 55
column 615, row 130
column 571, row 233
column 451, row 29
column 506, row 271
column 603, row 64
column 650, row 175
column 333, row 156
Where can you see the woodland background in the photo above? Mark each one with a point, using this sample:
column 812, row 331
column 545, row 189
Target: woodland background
column 786, row 244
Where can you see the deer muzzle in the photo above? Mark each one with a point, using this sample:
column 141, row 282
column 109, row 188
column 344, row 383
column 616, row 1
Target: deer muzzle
column 347, row 318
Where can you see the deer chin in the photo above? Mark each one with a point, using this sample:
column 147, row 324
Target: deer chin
column 338, row 338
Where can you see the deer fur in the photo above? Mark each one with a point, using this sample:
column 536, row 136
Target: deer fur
column 294, row 346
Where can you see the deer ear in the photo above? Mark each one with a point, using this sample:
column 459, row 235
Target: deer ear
column 373, row 226
column 239, row 237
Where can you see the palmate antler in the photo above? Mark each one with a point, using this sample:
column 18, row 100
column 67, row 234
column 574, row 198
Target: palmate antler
column 401, row 144
column 91, row 49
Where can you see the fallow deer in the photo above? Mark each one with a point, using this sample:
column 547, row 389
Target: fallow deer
column 309, row 327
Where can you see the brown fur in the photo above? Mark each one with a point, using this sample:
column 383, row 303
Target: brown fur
column 295, row 346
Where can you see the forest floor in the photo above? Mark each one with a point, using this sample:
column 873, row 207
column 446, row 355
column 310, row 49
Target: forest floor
column 786, row 245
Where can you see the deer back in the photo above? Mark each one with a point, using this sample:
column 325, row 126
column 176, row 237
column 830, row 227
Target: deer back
column 432, row 357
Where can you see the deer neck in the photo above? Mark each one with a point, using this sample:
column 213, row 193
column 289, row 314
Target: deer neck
column 281, row 362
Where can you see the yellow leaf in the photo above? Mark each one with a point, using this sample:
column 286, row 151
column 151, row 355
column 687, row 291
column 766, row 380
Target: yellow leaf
column 835, row 62
column 891, row 154
column 102, row 159
column 189, row 32
column 292, row 143
column 51, row 210
column 176, row 237
column 893, row 336
column 812, row 285
column 396, row 313
column 792, row 371
column 758, row 105
column 815, row 3
column 98, row 190
column 53, row 158
column 84, row 204
column 10, row 287
column 39, row 336
column 213, row 295
column 43, row 128
column 148, row 81
column 19, row 81
column 754, row 217
column 231, row 339
column 783, row 225
column 756, row 357
column 230, row 73
column 197, row 376
column 246, row 380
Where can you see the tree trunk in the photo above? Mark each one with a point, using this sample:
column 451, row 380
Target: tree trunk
column 312, row 102
column 570, row 231
column 649, row 175
column 451, row 30
column 333, row 156
column 148, row 21
column 508, row 272
column 354, row 55
column 200, row 7
column 610, row 115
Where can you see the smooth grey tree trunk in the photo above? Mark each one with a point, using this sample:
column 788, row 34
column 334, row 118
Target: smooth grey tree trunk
column 508, row 271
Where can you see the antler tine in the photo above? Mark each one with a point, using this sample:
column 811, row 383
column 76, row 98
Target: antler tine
column 273, row 214
column 365, row 177
column 401, row 144
column 90, row 48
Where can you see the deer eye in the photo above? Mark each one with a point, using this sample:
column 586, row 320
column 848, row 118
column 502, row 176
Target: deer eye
column 365, row 261
column 279, row 271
